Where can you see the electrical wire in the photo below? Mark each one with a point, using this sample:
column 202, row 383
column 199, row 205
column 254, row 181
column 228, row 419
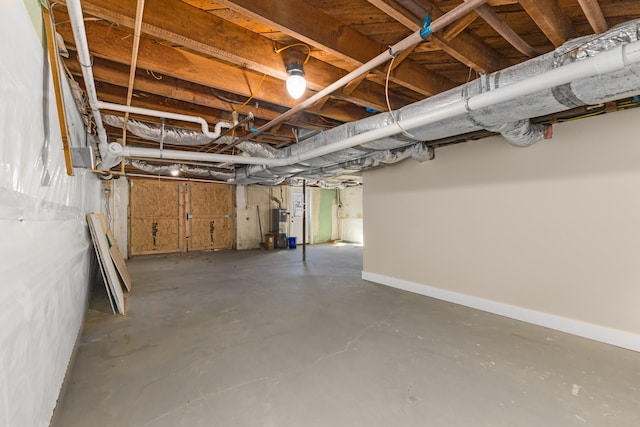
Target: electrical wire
column 154, row 75
column 225, row 99
column 296, row 44
column 254, row 92
column 386, row 95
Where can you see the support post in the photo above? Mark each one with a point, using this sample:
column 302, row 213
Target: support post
column 304, row 220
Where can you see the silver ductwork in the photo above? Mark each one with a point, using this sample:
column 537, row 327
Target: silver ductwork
column 181, row 169
column 510, row 118
column 585, row 71
column 165, row 134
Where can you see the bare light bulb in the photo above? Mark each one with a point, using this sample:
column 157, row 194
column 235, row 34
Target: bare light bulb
column 175, row 171
column 296, row 83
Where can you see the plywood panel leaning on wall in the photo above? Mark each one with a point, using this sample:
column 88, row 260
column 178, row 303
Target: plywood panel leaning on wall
column 114, row 251
column 97, row 227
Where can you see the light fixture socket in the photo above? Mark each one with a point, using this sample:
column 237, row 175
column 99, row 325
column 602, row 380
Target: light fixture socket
column 296, row 83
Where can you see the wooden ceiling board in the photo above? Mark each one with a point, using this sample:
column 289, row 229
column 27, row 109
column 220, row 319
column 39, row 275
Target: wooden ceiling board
column 352, row 12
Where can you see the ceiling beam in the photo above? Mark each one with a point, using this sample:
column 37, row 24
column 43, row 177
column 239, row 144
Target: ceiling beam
column 165, row 86
column 466, row 47
column 551, row 19
column 592, row 11
column 192, row 28
column 459, row 26
column 169, row 87
column 114, row 44
column 316, row 28
column 502, row 28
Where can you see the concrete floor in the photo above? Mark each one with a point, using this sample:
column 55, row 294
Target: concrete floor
column 257, row 338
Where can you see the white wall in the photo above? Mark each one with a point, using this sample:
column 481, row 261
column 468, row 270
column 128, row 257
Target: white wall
column 350, row 214
column 45, row 250
column 548, row 234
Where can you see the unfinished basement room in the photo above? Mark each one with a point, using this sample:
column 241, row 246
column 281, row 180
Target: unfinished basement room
column 314, row 213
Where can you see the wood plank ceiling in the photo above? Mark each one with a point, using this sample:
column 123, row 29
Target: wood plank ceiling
column 214, row 58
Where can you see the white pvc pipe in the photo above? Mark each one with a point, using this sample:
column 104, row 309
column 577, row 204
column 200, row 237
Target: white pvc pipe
column 605, row 62
column 80, row 36
column 167, row 115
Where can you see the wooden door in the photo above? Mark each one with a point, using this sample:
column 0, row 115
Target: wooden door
column 296, row 209
column 210, row 222
column 156, row 216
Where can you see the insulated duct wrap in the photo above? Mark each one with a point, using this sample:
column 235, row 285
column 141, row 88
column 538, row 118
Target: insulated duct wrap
column 258, row 174
column 511, row 118
column 259, row 149
column 585, row 47
column 297, row 182
column 179, row 168
column 167, row 134
column 587, row 71
column 522, row 133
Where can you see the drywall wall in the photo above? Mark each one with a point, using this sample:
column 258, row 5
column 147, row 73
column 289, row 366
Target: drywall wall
column 45, row 249
column 350, row 214
column 117, row 201
column 548, row 234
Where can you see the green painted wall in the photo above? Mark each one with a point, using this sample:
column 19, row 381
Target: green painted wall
column 326, row 199
column 35, row 13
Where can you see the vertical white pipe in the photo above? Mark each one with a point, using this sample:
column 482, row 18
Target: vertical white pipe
column 79, row 34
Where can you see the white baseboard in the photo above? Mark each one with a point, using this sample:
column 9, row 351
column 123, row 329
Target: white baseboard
column 591, row 331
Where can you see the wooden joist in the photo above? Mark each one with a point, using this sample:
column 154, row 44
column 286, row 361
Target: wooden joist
column 318, row 29
column 551, row 19
column 192, row 28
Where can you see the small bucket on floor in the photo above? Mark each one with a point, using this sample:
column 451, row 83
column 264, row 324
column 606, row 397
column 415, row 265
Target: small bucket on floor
column 292, row 242
column 269, row 241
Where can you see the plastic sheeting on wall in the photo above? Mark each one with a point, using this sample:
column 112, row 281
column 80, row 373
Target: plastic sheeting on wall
column 45, row 251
